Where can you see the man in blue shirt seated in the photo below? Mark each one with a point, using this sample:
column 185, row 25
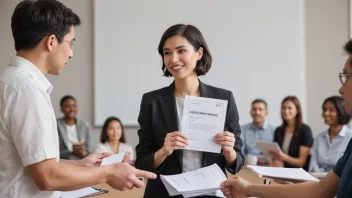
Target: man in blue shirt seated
column 258, row 129
column 336, row 182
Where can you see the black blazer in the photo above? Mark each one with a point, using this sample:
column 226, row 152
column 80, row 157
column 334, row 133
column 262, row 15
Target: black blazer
column 158, row 116
column 304, row 138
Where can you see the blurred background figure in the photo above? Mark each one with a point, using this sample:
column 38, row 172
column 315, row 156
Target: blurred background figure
column 256, row 130
column 74, row 134
column 330, row 144
column 113, row 139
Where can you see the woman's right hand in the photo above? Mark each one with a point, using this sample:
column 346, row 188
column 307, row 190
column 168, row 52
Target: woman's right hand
column 174, row 141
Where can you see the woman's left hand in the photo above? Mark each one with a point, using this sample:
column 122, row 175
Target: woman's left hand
column 279, row 155
column 226, row 140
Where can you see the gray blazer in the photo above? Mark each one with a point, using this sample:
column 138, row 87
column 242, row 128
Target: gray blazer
column 83, row 132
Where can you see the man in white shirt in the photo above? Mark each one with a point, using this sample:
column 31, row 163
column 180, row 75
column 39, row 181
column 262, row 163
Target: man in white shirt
column 43, row 31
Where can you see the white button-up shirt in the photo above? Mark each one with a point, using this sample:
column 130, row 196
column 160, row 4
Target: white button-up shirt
column 28, row 130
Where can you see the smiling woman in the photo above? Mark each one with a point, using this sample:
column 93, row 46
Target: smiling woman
column 74, row 134
column 185, row 56
column 330, row 144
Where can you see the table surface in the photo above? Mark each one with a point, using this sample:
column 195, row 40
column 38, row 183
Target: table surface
column 245, row 173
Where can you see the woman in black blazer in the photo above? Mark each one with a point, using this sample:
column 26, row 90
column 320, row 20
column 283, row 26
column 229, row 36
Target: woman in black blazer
column 294, row 137
column 185, row 56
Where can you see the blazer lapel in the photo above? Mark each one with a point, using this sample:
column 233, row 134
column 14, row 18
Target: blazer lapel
column 63, row 131
column 168, row 108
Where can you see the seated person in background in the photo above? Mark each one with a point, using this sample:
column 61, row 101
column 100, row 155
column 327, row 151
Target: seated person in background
column 330, row 145
column 294, row 137
column 113, row 138
column 258, row 129
column 74, row 134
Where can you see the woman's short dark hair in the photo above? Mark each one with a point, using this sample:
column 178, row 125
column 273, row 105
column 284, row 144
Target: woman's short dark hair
column 343, row 116
column 33, row 20
column 104, row 132
column 63, row 99
column 195, row 38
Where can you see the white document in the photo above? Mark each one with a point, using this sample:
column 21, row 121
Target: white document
column 202, row 119
column 89, row 191
column 198, row 182
column 266, row 147
column 113, row 159
column 218, row 193
column 283, row 173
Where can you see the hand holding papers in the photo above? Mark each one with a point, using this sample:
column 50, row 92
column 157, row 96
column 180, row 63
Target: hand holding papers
column 194, row 183
column 113, row 159
column 89, row 191
column 297, row 174
column 202, row 119
column 268, row 147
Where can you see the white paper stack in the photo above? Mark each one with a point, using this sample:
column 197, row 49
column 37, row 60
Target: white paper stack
column 283, row 173
column 204, row 181
column 84, row 192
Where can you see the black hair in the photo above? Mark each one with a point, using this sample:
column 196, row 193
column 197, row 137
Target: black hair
column 33, row 20
column 195, row 38
column 343, row 116
column 63, row 99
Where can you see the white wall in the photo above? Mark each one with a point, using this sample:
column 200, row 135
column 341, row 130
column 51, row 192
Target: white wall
column 326, row 32
column 327, row 26
column 247, row 51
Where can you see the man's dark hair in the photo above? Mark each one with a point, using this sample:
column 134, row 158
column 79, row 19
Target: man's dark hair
column 195, row 38
column 258, row 100
column 33, row 20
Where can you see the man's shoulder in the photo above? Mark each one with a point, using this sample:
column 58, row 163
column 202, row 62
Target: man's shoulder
column 246, row 127
column 15, row 78
column 270, row 127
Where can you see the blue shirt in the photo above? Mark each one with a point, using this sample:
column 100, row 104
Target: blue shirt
column 324, row 155
column 343, row 169
column 250, row 135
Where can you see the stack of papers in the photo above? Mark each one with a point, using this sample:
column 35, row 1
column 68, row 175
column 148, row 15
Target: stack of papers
column 204, row 181
column 84, row 192
column 283, row 173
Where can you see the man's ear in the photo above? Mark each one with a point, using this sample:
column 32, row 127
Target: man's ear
column 50, row 42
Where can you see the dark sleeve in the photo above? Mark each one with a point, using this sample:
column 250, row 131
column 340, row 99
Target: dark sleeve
column 146, row 147
column 276, row 135
column 340, row 165
column 306, row 136
column 232, row 125
column 64, row 152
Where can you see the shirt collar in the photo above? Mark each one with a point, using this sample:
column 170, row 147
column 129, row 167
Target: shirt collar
column 264, row 127
column 33, row 71
column 342, row 132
